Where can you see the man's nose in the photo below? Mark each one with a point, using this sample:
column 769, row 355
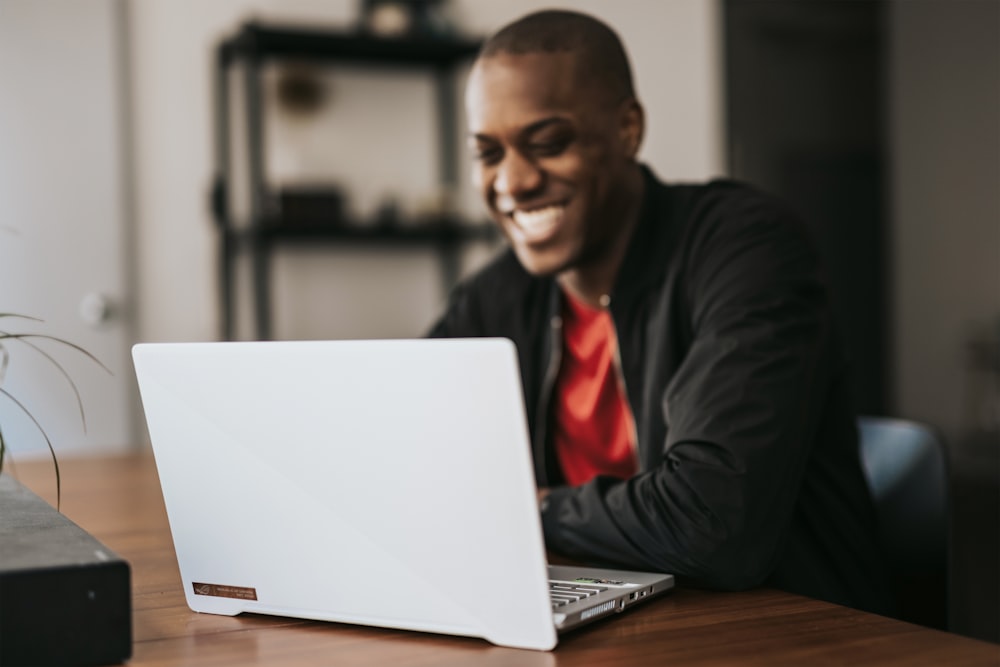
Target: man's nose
column 516, row 176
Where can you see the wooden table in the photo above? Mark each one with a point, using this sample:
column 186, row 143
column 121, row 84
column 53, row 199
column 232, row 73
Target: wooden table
column 118, row 501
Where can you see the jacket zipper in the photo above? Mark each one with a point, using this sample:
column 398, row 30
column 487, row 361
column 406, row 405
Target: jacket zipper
column 623, row 388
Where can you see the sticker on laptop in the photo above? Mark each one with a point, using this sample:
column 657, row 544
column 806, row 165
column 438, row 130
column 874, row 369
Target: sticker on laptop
column 594, row 580
column 219, row 591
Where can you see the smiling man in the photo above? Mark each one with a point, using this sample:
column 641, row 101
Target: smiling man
column 685, row 390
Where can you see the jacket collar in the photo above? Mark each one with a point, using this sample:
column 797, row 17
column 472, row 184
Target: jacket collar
column 643, row 260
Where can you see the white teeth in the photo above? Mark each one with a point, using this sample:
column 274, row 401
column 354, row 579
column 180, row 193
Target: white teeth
column 539, row 221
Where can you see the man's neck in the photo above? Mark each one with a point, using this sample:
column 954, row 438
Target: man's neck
column 593, row 281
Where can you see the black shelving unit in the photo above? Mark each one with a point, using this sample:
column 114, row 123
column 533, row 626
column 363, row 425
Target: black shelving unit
column 255, row 45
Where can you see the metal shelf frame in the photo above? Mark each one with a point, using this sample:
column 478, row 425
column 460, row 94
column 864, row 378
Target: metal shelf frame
column 255, row 45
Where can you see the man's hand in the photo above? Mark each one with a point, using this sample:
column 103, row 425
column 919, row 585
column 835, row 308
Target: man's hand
column 553, row 558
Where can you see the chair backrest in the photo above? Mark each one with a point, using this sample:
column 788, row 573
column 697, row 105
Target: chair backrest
column 905, row 466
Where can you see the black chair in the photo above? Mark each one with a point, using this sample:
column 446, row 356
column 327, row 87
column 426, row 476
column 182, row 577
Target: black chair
column 905, row 466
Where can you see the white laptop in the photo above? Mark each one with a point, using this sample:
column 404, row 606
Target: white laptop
column 385, row 483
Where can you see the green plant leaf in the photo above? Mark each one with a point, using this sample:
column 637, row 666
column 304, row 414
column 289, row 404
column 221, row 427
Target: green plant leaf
column 48, row 442
column 4, row 358
column 26, row 339
column 23, row 338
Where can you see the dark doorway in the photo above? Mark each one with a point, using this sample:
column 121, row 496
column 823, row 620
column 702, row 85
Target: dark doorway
column 805, row 121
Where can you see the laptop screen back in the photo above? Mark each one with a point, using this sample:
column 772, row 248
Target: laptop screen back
column 374, row 482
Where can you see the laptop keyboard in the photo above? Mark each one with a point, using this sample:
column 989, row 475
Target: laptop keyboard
column 562, row 592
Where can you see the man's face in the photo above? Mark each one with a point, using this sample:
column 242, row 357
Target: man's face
column 551, row 151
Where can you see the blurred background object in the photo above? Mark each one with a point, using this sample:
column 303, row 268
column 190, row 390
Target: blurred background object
column 393, row 18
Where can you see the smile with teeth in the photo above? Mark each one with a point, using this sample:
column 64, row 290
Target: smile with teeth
column 538, row 223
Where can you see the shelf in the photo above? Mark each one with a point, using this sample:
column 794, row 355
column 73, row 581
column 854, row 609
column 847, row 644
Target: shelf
column 288, row 42
column 422, row 234
column 253, row 45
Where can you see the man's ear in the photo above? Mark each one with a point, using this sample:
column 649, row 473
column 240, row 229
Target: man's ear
column 633, row 125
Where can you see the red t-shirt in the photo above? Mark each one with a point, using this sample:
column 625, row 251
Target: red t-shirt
column 594, row 429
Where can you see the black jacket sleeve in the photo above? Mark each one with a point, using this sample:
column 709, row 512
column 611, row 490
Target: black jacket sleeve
column 740, row 413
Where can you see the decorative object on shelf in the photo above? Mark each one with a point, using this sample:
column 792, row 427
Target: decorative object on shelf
column 438, row 204
column 396, row 18
column 387, row 216
column 310, row 206
column 300, row 89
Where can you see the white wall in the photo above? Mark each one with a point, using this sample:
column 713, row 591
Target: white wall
column 64, row 227
column 944, row 127
column 340, row 293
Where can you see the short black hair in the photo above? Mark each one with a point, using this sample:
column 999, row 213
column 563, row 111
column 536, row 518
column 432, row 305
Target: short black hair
column 597, row 46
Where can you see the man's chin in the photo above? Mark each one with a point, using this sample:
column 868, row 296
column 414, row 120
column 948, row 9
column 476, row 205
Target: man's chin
column 541, row 264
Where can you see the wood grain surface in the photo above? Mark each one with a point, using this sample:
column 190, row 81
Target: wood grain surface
column 118, row 501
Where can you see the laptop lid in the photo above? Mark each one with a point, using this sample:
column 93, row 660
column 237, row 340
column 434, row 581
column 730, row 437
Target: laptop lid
column 383, row 483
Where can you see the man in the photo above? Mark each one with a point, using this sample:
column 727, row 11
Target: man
column 686, row 395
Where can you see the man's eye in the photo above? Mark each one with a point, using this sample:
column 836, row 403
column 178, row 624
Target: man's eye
column 487, row 155
column 549, row 148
